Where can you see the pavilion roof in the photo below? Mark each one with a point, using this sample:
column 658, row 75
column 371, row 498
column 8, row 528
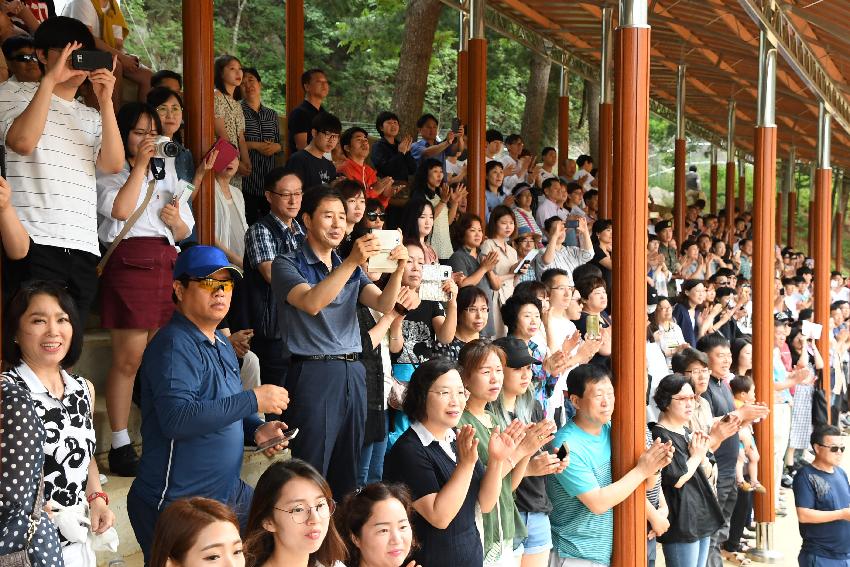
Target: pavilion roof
column 718, row 40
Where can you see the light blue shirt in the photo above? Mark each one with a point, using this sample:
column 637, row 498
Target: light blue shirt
column 780, row 375
column 577, row 532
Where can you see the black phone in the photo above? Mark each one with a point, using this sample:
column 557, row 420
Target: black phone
column 288, row 434
column 571, row 224
column 456, row 124
column 90, row 60
column 3, row 161
column 563, row 452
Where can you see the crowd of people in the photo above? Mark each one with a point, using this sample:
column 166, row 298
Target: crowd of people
column 443, row 379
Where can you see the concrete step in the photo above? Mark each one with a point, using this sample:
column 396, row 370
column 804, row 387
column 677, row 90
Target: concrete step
column 253, row 465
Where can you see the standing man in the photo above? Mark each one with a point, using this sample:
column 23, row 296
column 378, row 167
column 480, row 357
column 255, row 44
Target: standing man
column 516, row 167
column 299, row 122
column 271, row 236
column 668, row 250
column 822, row 496
column 317, row 295
column 196, row 418
column 262, row 134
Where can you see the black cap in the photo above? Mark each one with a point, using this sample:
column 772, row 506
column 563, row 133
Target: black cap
column 782, row 317
column 516, row 352
column 661, row 225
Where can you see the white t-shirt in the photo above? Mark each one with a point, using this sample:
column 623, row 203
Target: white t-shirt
column 84, row 11
column 149, row 223
column 585, row 178
column 53, row 189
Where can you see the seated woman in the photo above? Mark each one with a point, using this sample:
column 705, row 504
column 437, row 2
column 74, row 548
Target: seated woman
column 694, row 512
column 43, row 336
column 687, row 312
column 467, row 261
column 665, row 331
column 429, row 185
column 192, row 531
column 441, row 468
column 418, row 226
column 355, row 202
column 289, row 524
column 594, row 300
column 472, row 310
column 375, row 525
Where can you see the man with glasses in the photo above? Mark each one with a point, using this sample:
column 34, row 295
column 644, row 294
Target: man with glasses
column 310, row 164
column 21, row 59
column 196, row 418
column 822, row 497
column 271, row 236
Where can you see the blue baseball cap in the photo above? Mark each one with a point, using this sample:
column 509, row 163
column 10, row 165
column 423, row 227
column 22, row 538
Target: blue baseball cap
column 202, row 261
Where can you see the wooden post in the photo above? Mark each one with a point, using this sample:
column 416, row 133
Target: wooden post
column 198, row 57
column 294, row 54
column 477, row 105
column 564, row 123
column 792, row 220
column 713, row 181
column 730, row 196
column 679, row 197
column 630, row 215
column 822, row 227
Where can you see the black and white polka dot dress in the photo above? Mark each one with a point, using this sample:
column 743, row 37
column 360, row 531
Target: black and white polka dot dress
column 21, row 460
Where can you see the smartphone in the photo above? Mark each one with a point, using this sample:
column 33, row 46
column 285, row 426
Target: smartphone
column 456, row 124
column 731, row 304
column 563, row 452
column 90, row 60
column 287, row 435
column 431, row 288
column 381, row 262
column 3, row 161
column 726, row 417
column 593, row 329
column 571, row 223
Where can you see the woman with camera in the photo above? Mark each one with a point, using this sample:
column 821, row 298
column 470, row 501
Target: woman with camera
column 144, row 210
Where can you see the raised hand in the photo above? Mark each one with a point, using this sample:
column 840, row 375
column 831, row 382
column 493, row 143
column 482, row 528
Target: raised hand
column 467, row 446
column 103, row 82
column 503, row 444
column 61, row 70
column 490, row 260
column 536, row 436
column 698, row 445
column 655, row 458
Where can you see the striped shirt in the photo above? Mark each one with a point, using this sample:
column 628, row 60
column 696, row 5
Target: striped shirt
column 568, row 258
column 54, row 188
column 262, row 126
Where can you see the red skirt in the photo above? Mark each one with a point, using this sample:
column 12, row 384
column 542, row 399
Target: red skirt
column 135, row 288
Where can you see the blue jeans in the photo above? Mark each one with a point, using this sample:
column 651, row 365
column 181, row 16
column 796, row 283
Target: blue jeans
column 372, row 462
column 692, row 554
column 806, row 559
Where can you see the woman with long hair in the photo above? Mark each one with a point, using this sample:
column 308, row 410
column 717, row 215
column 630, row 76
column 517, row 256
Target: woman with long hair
column 430, row 185
column 375, row 523
column 501, row 228
column 494, row 175
column 687, row 313
column 742, row 356
column 197, row 531
column 804, row 354
column 289, row 524
column 418, row 226
column 229, row 118
column 602, row 237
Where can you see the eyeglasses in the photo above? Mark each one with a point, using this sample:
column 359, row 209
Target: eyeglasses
column 329, row 135
column 375, row 215
column 166, row 110
column 833, row 448
column 723, row 283
column 300, row 514
column 287, row 196
column 561, row 288
column 474, row 310
column 25, row 58
column 685, row 398
column 446, row 395
column 212, row 285
column 697, row 372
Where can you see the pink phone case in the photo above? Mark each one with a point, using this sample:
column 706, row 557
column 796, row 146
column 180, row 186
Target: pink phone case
column 226, row 154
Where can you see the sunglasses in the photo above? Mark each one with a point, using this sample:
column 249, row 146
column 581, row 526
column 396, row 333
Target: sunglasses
column 25, row 58
column 375, row 215
column 833, row 448
column 212, row 285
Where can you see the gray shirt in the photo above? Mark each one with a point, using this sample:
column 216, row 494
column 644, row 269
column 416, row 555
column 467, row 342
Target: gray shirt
column 334, row 330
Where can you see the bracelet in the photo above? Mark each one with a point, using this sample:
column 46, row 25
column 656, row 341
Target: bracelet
column 95, row 495
column 395, row 338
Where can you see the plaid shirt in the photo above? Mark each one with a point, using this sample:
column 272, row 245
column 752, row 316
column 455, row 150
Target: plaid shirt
column 261, row 245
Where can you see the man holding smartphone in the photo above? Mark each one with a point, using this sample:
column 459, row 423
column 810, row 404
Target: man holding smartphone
column 317, row 295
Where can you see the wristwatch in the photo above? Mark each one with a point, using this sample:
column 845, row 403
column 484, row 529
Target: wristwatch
column 95, row 495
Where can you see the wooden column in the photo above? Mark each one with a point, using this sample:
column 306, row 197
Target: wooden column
column 630, row 215
column 822, row 228
column 198, row 55
column 564, row 124
column 477, row 106
column 712, row 175
column 294, row 54
column 606, row 157
column 679, row 197
column 791, row 239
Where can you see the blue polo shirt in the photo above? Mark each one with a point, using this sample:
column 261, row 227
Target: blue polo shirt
column 334, row 330
column 196, row 418
column 419, row 146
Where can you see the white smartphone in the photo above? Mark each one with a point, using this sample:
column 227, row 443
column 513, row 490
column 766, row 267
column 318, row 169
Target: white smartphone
column 380, row 262
column 433, row 276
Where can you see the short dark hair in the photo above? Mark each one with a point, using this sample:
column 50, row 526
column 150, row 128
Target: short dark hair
column 553, row 273
column 316, row 195
column 590, row 194
column 458, row 228
column 601, row 225
column 711, row 341
column 574, row 186
column 584, row 374
column 722, row 292
column 416, row 400
column 510, row 309
column 221, row 62
column 585, row 286
column 127, row 117
column 583, row 159
column 530, row 288
column 547, row 224
column 469, row 295
column 16, row 42
column 669, row 386
column 253, row 72
column 307, row 76
column 275, row 175
column 357, row 508
column 425, row 118
column 349, row 188
column 681, row 360
column 164, row 74
column 493, row 135
column 346, row 137
column 325, row 122
column 548, row 182
column 512, row 139
column 158, row 95
column 383, row 117
column 585, row 271
column 19, row 304
column 822, row 430
column 59, row 31
column 740, row 384
column 546, row 150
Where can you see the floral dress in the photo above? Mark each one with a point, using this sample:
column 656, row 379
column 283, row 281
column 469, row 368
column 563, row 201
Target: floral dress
column 21, row 438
